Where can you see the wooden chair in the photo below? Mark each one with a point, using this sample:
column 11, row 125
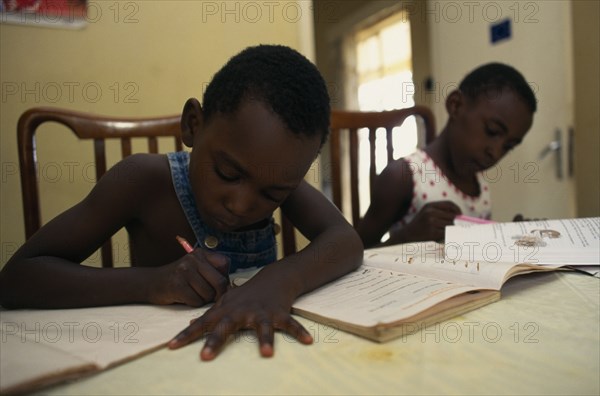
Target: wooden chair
column 84, row 126
column 349, row 122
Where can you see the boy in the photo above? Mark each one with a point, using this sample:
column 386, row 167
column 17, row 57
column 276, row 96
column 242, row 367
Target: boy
column 264, row 118
column 416, row 197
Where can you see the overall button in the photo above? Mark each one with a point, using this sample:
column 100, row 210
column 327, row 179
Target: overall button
column 211, row 242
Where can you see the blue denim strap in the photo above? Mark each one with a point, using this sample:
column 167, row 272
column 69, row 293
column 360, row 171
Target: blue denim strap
column 252, row 248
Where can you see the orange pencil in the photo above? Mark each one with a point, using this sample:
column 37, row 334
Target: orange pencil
column 185, row 244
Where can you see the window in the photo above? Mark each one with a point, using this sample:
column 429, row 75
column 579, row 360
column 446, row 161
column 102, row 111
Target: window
column 384, row 82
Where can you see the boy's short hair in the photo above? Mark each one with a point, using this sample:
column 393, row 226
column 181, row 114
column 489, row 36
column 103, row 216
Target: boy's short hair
column 280, row 77
column 491, row 78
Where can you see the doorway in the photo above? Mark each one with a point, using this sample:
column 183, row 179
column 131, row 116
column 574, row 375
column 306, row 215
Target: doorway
column 374, row 56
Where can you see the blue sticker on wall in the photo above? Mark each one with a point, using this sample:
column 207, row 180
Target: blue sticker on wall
column 500, row 31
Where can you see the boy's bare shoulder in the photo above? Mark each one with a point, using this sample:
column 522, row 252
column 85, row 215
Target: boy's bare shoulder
column 141, row 168
column 138, row 174
column 146, row 160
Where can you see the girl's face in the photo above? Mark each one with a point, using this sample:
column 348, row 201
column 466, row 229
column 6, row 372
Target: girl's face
column 487, row 128
column 244, row 165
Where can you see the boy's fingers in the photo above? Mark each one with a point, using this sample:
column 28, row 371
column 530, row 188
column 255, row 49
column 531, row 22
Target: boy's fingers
column 217, row 338
column 201, row 286
column 216, row 282
column 220, row 262
column 265, row 334
column 192, row 298
column 191, row 333
column 210, row 275
column 295, row 329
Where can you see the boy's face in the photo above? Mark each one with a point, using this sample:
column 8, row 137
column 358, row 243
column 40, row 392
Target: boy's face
column 244, row 165
column 488, row 127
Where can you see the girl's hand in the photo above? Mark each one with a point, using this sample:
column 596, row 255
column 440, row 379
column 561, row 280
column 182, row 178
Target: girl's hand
column 519, row 217
column 430, row 223
column 196, row 279
column 250, row 306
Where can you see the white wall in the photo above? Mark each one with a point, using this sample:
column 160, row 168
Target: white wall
column 540, row 47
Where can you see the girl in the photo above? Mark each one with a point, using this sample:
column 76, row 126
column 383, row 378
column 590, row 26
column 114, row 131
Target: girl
column 416, row 197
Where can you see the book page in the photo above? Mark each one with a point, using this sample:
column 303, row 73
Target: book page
column 35, row 365
column 67, row 341
column 43, row 347
column 369, row 296
column 544, row 242
column 427, row 259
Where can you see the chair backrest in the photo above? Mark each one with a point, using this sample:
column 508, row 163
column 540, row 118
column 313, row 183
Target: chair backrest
column 99, row 129
column 84, row 126
column 347, row 124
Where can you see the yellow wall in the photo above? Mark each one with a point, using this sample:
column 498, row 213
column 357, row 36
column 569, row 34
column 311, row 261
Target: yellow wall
column 134, row 58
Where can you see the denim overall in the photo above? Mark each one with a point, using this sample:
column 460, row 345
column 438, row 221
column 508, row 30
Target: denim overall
column 245, row 249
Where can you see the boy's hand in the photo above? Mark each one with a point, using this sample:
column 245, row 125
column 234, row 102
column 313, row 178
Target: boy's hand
column 250, row 306
column 196, row 279
column 430, row 223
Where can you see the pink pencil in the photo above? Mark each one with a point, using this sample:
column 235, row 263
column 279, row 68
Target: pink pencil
column 475, row 220
column 188, row 248
column 185, row 244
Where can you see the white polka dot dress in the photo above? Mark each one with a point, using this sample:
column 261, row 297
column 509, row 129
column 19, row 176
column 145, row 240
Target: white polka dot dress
column 430, row 184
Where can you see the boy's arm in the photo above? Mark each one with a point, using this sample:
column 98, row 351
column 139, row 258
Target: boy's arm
column 46, row 272
column 334, row 249
column 264, row 302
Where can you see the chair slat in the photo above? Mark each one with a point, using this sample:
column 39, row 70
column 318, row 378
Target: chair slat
column 152, row 145
column 372, row 157
column 125, row 147
column 354, row 186
column 100, row 157
column 389, row 145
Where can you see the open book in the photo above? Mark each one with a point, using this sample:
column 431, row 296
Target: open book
column 401, row 289
column 544, row 242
